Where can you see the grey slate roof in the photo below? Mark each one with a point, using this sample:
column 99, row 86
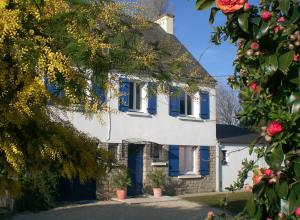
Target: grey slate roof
column 230, row 134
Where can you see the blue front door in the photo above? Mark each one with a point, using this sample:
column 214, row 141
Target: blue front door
column 135, row 169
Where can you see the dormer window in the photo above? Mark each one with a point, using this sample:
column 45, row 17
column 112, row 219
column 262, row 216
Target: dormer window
column 135, row 97
column 186, row 104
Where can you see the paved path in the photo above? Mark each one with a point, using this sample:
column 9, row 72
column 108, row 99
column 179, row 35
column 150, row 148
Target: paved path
column 174, row 209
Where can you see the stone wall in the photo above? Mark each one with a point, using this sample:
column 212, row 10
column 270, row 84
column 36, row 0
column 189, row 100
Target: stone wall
column 174, row 185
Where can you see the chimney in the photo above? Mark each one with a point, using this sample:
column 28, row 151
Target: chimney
column 167, row 23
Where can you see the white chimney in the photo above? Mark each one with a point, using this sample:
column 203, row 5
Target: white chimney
column 167, row 23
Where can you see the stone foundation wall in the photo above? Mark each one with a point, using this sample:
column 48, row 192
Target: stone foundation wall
column 174, row 185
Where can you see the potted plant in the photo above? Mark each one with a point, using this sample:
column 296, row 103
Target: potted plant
column 121, row 181
column 157, row 180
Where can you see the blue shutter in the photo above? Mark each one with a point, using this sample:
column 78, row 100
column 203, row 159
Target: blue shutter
column 204, row 105
column 152, row 99
column 174, row 102
column 124, row 97
column 99, row 92
column 204, row 160
column 173, row 160
column 50, row 86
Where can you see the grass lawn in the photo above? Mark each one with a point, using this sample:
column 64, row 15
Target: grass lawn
column 235, row 201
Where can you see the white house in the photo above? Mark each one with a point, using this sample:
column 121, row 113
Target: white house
column 233, row 148
column 175, row 132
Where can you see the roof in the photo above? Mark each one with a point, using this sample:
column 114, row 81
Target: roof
column 230, row 134
column 172, row 48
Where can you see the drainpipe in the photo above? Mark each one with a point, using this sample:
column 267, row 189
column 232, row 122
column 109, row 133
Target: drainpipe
column 218, row 168
column 108, row 115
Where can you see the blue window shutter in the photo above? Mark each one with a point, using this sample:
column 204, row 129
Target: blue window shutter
column 50, row 86
column 99, row 92
column 173, row 160
column 124, row 97
column 174, row 102
column 204, row 105
column 152, row 99
column 204, row 160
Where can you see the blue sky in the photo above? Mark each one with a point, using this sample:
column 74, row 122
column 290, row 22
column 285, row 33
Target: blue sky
column 194, row 31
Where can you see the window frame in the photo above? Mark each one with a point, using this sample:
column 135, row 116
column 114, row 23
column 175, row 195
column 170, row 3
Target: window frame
column 224, row 158
column 134, row 98
column 185, row 171
column 186, row 110
column 157, row 148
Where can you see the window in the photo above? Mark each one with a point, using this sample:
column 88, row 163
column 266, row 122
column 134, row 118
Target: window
column 224, row 159
column 135, row 96
column 185, row 104
column 156, row 153
column 186, row 159
column 113, row 149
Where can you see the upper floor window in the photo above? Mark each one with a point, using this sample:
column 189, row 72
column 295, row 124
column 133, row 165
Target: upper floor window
column 186, row 104
column 135, row 97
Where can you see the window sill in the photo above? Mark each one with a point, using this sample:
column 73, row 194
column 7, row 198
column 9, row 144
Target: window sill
column 139, row 114
column 189, row 118
column 159, row 164
column 190, row 176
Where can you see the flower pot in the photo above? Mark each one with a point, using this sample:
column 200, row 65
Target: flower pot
column 157, row 192
column 121, row 194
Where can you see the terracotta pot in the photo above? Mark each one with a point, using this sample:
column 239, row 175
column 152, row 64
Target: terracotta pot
column 157, row 192
column 121, row 194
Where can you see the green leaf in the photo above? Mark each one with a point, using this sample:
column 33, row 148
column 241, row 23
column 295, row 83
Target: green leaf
column 213, row 13
column 271, row 62
column 270, row 194
column 251, row 207
column 255, row 20
column 263, row 30
column 275, row 158
column 243, row 21
column 285, row 6
column 282, row 189
column 285, row 60
column 204, row 4
column 297, row 169
column 294, row 100
column 295, row 16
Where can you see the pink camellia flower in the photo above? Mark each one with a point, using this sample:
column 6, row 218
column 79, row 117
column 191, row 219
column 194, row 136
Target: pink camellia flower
column 276, row 29
column 269, row 219
column 257, row 177
column 297, row 211
column 253, row 87
column 296, row 57
column 254, row 46
column 268, row 172
column 247, row 6
column 266, row 15
column 274, row 128
column 229, row 6
column 280, row 19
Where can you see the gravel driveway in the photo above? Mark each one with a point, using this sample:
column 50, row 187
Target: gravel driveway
column 174, row 210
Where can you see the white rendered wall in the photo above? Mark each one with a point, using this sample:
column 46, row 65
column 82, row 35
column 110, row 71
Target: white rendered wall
column 160, row 128
column 236, row 154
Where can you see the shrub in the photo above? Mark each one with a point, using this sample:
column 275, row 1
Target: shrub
column 121, row 179
column 38, row 191
column 157, row 178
